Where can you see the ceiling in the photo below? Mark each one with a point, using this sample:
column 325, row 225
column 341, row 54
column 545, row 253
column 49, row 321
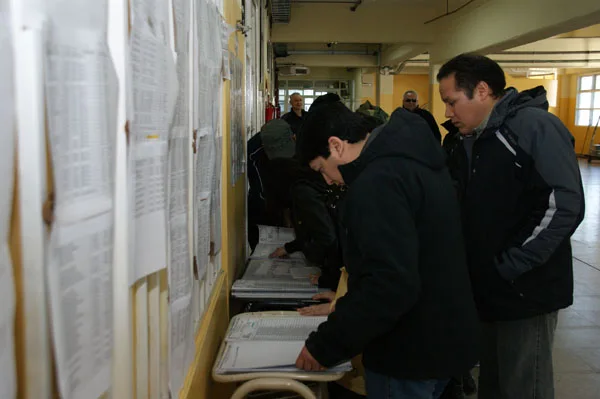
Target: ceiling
column 398, row 34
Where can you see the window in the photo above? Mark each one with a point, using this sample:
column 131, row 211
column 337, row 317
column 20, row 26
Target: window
column 587, row 112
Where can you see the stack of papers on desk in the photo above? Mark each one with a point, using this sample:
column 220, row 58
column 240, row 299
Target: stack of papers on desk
column 273, row 279
column 268, row 344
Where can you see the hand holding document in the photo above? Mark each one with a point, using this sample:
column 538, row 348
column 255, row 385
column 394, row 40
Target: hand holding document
column 256, row 343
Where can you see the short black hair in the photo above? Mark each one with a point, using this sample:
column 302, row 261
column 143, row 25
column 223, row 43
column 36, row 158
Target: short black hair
column 469, row 69
column 324, row 100
column 329, row 120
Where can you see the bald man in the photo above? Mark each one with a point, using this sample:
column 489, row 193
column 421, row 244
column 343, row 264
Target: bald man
column 296, row 116
column 410, row 102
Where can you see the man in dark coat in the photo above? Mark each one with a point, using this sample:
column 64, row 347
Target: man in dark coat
column 521, row 196
column 409, row 307
column 410, row 102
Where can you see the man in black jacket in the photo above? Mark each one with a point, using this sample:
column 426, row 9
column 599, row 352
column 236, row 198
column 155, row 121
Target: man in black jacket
column 306, row 194
column 522, row 199
column 410, row 102
column 297, row 114
column 409, row 307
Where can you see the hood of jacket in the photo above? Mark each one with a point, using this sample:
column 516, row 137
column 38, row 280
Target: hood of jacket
column 406, row 135
column 513, row 101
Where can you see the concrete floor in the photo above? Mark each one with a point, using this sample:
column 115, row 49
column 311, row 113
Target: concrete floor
column 577, row 342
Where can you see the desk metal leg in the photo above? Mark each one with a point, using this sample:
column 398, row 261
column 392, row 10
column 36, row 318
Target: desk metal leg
column 273, row 384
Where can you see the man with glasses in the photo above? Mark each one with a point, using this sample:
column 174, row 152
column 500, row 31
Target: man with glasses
column 410, row 102
column 296, row 116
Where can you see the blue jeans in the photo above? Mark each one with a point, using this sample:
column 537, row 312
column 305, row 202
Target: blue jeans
column 384, row 387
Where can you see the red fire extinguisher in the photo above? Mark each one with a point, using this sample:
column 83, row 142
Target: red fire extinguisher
column 269, row 112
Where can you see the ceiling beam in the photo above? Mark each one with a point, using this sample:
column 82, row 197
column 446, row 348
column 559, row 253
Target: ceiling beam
column 397, row 53
column 328, row 60
column 384, row 23
column 498, row 25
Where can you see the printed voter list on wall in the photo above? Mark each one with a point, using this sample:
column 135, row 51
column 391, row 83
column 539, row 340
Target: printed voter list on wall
column 81, row 100
column 153, row 92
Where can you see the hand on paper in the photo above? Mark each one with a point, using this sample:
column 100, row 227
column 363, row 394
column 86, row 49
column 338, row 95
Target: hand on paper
column 314, row 278
column 322, row 309
column 279, row 253
column 307, row 362
column 329, row 296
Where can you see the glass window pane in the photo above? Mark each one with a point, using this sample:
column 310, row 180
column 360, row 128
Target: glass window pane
column 596, row 99
column 596, row 117
column 583, row 118
column 306, row 107
column 597, row 82
column 281, row 93
column 586, row 83
column 309, row 92
column 308, row 100
column 584, row 100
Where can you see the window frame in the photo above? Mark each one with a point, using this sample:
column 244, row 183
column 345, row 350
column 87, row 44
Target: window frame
column 595, row 96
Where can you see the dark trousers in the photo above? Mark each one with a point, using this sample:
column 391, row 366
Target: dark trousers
column 516, row 358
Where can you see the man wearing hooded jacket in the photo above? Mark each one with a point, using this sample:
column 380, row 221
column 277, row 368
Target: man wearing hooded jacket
column 409, row 308
column 522, row 199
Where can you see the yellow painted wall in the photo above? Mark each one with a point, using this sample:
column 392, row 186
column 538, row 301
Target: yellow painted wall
column 418, row 83
column 521, row 83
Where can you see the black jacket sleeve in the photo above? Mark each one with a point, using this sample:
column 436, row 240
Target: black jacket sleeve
column 561, row 205
column 384, row 278
column 314, row 227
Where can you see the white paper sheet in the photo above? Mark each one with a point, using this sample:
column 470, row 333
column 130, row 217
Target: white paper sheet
column 205, row 149
column 226, row 31
column 275, row 235
column 79, row 103
column 78, row 14
column 80, row 286
column 292, row 328
column 273, row 286
column 278, row 269
column 181, row 343
column 179, row 267
column 153, row 91
column 153, row 12
column 215, row 204
column 7, row 291
column 274, row 356
column 7, row 341
column 262, row 251
column 238, row 148
column 182, row 11
column 81, row 96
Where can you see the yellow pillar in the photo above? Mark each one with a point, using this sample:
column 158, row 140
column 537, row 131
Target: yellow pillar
column 436, row 105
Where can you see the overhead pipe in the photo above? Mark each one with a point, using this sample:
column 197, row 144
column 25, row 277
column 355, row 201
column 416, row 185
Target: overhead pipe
column 330, row 52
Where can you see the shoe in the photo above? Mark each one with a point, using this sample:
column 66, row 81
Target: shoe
column 469, row 385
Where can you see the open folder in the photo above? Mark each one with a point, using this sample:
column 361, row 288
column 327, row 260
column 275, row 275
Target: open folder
column 268, row 344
